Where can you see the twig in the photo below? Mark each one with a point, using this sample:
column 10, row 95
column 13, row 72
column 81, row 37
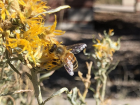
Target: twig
column 112, row 68
column 104, row 86
column 97, row 94
column 11, row 99
column 8, row 61
column 16, row 92
column 30, row 77
column 2, row 70
column 86, row 80
column 46, row 75
column 36, row 87
column 54, row 10
column 57, row 93
column 3, row 87
column 81, row 97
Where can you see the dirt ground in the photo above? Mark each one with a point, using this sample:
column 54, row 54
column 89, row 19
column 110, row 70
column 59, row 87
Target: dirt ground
column 61, row 101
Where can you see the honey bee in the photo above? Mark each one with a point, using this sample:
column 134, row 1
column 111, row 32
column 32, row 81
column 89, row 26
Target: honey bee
column 65, row 57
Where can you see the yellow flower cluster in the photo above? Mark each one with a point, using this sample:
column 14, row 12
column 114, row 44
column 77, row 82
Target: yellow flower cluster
column 22, row 27
column 105, row 47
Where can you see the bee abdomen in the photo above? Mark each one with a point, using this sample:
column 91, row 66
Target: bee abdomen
column 70, row 57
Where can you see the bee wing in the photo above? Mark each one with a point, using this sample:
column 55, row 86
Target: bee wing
column 69, row 67
column 70, row 63
column 76, row 48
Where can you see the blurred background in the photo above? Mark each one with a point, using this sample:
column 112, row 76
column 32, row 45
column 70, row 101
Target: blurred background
column 82, row 22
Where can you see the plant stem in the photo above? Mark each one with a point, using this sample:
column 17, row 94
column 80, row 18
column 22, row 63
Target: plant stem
column 97, row 94
column 88, row 82
column 85, row 93
column 36, row 87
column 8, row 61
column 39, row 97
column 104, row 86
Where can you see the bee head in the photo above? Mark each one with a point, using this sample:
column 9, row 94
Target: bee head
column 59, row 50
column 56, row 49
column 53, row 48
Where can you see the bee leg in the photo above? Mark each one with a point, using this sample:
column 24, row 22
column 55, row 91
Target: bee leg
column 57, row 60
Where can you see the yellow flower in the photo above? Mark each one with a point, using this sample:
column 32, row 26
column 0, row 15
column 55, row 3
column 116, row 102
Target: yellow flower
column 25, row 32
column 35, row 40
column 4, row 11
column 103, row 49
column 110, row 51
column 101, row 46
column 33, row 7
column 1, row 29
column 99, row 54
column 110, row 31
column 50, row 31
